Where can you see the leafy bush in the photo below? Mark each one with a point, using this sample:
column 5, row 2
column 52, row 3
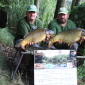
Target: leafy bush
column 17, row 9
column 5, row 73
column 6, row 37
column 46, row 11
column 81, row 73
column 3, row 4
column 78, row 16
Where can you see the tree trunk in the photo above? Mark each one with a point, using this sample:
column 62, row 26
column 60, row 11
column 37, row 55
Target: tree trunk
column 60, row 3
column 75, row 3
column 36, row 2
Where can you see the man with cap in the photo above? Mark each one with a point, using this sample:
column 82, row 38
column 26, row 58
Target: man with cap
column 61, row 24
column 26, row 25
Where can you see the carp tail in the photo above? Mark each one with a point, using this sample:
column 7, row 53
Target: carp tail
column 17, row 45
column 20, row 44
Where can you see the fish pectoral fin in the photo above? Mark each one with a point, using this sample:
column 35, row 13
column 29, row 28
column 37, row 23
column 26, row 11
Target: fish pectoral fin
column 50, row 43
column 70, row 44
column 82, row 39
column 47, row 40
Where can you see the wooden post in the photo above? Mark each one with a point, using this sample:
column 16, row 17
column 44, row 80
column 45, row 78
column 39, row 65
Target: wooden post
column 36, row 2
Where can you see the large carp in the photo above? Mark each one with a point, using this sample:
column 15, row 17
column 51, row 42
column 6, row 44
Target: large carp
column 69, row 36
column 35, row 36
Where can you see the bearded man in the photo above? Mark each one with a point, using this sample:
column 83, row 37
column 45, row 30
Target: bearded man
column 61, row 24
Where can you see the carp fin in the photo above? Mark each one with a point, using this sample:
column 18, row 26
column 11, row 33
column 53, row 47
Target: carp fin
column 50, row 43
column 22, row 46
column 26, row 35
column 17, row 45
column 70, row 44
column 47, row 40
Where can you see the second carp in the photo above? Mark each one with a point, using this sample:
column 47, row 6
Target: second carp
column 69, row 36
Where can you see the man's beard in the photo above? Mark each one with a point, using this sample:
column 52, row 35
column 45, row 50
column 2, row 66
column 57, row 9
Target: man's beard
column 62, row 21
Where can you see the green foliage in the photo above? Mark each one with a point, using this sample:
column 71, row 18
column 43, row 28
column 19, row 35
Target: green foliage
column 5, row 73
column 57, row 59
column 46, row 11
column 17, row 8
column 6, row 37
column 81, row 73
column 16, row 11
column 78, row 16
column 3, row 4
column 69, row 3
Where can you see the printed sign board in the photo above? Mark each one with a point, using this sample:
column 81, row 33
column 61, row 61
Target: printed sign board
column 55, row 67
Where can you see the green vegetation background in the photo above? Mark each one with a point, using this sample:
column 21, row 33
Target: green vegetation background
column 17, row 8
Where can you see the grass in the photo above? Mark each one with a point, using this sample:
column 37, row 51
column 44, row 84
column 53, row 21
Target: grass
column 81, row 74
column 6, row 37
column 5, row 73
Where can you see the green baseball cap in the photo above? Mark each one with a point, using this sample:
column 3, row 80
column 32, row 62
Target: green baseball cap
column 62, row 10
column 32, row 8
